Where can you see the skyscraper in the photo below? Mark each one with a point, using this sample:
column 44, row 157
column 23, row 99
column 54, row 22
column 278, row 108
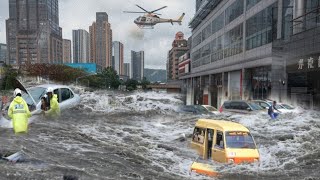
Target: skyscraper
column 101, row 41
column 66, row 51
column 3, row 53
column 126, row 69
column 117, row 52
column 81, row 42
column 33, row 32
column 137, row 64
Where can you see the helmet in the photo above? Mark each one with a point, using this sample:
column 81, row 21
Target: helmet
column 50, row 90
column 16, row 92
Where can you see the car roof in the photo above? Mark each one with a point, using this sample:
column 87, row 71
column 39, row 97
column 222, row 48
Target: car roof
column 221, row 124
column 54, row 86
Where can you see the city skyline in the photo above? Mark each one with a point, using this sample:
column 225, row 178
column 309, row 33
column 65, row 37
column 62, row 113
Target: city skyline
column 155, row 42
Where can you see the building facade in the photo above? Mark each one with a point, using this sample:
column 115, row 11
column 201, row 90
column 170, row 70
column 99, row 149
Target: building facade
column 137, row 65
column 101, row 41
column 179, row 48
column 66, row 51
column 81, row 44
column 33, row 32
column 126, row 69
column 117, row 52
column 240, row 49
column 3, row 53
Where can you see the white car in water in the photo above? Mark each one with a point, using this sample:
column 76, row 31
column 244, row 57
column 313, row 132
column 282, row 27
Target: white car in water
column 66, row 98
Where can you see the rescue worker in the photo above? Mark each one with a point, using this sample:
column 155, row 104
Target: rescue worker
column 19, row 113
column 54, row 110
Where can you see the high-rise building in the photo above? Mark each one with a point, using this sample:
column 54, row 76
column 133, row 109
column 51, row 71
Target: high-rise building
column 66, row 51
column 3, row 53
column 254, row 49
column 33, row 32
column 117, row 52
column 179, row 48
column 92, row 32
column 101, row 41
column 81, row 44
column 126, row 67
column 137, row 65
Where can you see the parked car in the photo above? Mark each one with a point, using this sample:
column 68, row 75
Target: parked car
column 193, row 109
column 211, row 109
column 282, row 107
column 240, row 106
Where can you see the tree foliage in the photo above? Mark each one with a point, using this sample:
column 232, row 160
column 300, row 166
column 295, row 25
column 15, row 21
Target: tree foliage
column 10, row 75
column 144, row 83
column 131, row 84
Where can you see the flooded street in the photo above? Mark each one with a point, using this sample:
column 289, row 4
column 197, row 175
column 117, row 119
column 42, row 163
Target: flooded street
column 140, row 136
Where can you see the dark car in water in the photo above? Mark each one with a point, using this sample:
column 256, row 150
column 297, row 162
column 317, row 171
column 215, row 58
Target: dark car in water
column 240, row 106
column 193, row 109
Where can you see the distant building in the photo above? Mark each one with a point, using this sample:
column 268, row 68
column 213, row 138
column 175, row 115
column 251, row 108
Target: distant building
column 3, row 53
column 101, row 41
column 81, row 42
column 179, row 48
column 185, row 61
column 137, row 65
column 126, row 67
column 88, row 67
column 117, row 52
column 66, row 51
column 33, row 32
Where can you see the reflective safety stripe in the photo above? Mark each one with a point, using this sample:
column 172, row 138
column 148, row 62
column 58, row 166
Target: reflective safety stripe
column 19, row 111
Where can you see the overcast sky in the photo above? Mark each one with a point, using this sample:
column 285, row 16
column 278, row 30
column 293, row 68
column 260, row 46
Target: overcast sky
column 156, row 43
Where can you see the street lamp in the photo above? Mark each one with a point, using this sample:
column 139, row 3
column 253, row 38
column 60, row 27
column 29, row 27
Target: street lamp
column 83, row 77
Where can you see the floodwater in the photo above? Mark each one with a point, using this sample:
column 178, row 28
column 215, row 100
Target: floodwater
column 140, row 136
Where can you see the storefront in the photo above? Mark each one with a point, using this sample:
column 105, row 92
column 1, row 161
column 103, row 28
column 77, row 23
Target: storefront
column 304, row 80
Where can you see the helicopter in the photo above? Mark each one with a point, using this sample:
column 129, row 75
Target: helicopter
column 151, row 18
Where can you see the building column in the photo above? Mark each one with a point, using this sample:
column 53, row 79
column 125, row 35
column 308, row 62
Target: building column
column 210, row 90
column 299, row 11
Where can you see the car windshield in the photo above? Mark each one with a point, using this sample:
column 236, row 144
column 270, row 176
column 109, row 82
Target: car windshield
column 210, row 108
column 201, row 109
column 36, row 93
column 238, row 139
column 287, row 106
column 255, row 106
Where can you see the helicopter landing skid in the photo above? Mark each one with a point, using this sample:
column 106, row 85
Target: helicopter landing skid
column 146, row 27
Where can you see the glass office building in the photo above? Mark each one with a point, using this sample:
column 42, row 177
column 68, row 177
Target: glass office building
column 238, row 48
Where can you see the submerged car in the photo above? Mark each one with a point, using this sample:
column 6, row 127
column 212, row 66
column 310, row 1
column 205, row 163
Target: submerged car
column 223, row 142
column 284, row 108
column 240, row 106
column 193, row 109
column 211, row 109
column 66, row 98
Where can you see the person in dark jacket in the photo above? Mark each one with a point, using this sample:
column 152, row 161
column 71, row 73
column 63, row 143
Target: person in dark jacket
column 271, row 110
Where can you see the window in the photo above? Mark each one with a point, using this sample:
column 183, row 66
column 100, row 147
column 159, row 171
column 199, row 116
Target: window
column 239, row 140
column 198, row 135
column 233, row 41
column 234, row 11
column 65, row 94
column 219, row 140
column 312, row 18
column 218, row 23
column 227, row 105
column 196, row 40
column 261, row 28
column 251, row 3
column 206, row 32
column 217, row 49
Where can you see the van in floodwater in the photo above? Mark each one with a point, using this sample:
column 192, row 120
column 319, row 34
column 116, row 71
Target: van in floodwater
column 224, row 142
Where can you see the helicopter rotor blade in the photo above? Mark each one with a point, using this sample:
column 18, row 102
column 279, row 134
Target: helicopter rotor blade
column 133, row 12
column 142, row 8
column 158, row 9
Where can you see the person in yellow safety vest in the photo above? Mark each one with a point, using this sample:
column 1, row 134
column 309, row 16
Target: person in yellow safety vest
column 19, row 113
column 54, row 111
